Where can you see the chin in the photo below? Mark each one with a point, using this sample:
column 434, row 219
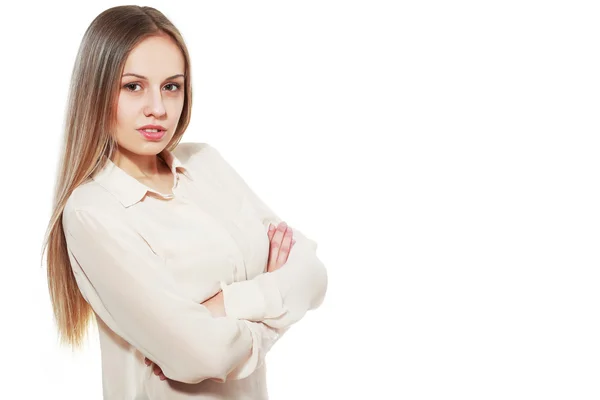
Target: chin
column 154, row 147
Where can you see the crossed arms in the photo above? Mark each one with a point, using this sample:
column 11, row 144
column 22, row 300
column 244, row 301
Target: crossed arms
column 127, row 287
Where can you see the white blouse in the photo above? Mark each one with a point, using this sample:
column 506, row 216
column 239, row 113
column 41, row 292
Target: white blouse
column 145, row 261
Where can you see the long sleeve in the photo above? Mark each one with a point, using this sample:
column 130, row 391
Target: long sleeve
column 282, row 297
column 127, row 286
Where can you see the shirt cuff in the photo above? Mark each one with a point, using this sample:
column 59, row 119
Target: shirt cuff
column 263, row 339
column 253, row 300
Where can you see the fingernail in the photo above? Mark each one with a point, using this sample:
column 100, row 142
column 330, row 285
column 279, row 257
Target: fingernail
column 271, row 227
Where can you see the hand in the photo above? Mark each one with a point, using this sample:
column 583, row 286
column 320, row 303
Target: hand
column 281, row 243
column 216, row 305
column 157, row 371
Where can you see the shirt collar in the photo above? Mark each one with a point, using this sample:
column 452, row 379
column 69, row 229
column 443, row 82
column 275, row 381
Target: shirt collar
column 174, row 163
column 126, row 188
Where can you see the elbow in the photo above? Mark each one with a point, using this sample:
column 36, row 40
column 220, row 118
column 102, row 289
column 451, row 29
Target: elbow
column 321, row 284
column 210, row 359
column 215, row 373
column 194, row 367
column 197, row 362
column 319, row 272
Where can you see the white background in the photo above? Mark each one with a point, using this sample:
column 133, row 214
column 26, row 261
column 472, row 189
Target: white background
column 444, row 156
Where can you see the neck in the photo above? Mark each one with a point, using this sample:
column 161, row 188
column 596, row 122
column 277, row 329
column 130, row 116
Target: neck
column 137, row 165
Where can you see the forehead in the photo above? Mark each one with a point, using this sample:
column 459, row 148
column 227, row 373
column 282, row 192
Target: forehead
column 155, row 57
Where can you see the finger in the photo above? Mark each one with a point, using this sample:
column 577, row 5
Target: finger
column 276, row 241
column 162, row 377
column 275, row 244
column 271, row 232
column 157, row 370
column 146, row 361
column 270, row 236
column 279, row 232
column 273, row 252
column 284, row 250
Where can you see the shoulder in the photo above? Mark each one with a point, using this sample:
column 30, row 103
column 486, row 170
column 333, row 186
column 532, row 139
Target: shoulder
column 91, row 199
column 205, row 160
column 92, row 195
column 191, row 151
column 201, row 156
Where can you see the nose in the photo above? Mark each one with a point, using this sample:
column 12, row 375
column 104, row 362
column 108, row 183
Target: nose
column 154, row 104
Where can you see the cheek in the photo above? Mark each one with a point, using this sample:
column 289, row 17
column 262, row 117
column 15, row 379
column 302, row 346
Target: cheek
column 126, row 118
column 126, row 111
column 175, row 105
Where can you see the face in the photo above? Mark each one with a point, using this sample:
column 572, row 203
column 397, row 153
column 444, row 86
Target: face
column 151, row 93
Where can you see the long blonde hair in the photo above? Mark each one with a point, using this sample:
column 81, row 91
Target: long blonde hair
column 88, row 136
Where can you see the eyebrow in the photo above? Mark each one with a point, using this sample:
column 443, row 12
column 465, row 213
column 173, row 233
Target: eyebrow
column 143, row 77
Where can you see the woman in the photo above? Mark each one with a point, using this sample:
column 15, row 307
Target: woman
column 190, row 275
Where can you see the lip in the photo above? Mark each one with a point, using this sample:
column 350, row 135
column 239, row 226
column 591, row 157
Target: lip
column 153, row 136
column 162, row 128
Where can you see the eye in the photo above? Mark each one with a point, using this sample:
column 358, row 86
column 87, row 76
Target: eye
column 175, row 85
column 130, row 85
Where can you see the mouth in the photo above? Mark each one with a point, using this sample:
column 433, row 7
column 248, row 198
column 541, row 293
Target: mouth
column 152, row 134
